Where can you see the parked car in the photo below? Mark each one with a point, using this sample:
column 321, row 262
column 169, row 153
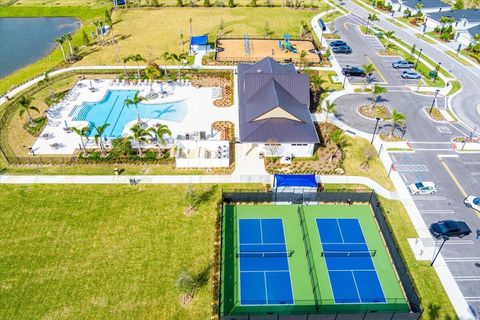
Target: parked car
column 353, row 71
column 337, row 43
column 402, row 64
column 422, row 187
column 449, row 228
column 342, row 49
column 322, row 25
column 472, row 202
column 410, row 74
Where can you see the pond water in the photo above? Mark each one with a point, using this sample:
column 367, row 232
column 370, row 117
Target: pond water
column 26, row 40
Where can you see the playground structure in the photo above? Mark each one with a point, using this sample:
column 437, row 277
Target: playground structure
column 250, row 48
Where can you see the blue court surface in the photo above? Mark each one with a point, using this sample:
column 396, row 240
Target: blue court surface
column 353, row 277
column 263, row 260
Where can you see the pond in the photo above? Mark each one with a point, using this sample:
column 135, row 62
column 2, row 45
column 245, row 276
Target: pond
column 26, row 40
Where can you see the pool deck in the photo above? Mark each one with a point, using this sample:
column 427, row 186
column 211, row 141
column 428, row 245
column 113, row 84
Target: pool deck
column 55, row 139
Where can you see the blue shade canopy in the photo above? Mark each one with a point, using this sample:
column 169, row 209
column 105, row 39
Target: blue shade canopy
column 295, row 180
column 199, row 40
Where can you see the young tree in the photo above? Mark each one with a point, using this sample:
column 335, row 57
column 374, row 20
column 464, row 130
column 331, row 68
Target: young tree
column 389, row 35
column 84, row 134
column 125, row 60
column 138, row 58
column 458, row 5
column 419, row 7
column 221, row 26
column 25, row 104
column 86, row 39
column 108, row 17
column 376, row 92
column 60, row 41
column 330, row 107
column 368, row 68
column 371, row 17
column 186, row 284
column 46, row 78
column 190, row 26
column 139, row 135
column 398, row 119
column 160, row 132
column 135, row 101
column 192, row 198
column 368, row 155
column 175, row 58
column 98, row 137
column 179, row 3
column 338, row 138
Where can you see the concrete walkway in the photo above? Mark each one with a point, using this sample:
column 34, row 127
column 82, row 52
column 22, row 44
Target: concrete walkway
column 182, row 179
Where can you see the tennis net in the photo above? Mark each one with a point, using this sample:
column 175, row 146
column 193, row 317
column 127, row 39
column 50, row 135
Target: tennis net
column 265, row 254
column 341, row 253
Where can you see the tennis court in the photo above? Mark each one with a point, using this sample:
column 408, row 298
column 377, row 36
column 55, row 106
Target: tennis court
column 351, row 270
column 294, row 259
column 264, row 267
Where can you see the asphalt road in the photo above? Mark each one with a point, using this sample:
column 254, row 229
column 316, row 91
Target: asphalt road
column 434, row 159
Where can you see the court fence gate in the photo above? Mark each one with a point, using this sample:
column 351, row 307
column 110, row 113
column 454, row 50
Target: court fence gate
column 365, row 196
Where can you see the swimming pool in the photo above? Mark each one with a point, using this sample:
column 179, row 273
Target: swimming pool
column 112, row 109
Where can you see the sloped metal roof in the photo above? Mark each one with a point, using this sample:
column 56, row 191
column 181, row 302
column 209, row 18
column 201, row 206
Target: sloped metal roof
column 426, row 4
column 471, row 15
column 265, row 86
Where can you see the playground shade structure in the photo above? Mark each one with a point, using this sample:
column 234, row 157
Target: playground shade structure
column 244, row 49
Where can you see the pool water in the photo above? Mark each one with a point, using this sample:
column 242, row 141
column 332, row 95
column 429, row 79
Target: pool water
column 113, row 110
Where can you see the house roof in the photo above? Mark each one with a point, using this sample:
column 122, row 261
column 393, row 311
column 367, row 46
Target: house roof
column 474, row 30
column 268, row 86
column 472, row 15
column 427, row 4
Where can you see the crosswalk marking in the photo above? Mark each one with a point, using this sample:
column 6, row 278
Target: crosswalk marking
column 411, row 168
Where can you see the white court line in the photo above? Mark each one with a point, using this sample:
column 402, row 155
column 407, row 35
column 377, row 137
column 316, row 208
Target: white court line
column 340, row 229
column 259, row 271
column 261, row 230
column 262, row 243
column 356, row 287
column 265, row 282
column 467, row 278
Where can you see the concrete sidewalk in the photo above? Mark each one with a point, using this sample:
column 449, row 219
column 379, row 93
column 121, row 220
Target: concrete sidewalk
column 185, row 179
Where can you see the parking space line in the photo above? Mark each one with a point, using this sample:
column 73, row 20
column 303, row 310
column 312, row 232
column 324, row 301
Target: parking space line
column 462, row 259
column 475, row 173
column 453, row 178
column 436, row 211
column 452, row 242
column 471, row 162
column 428, row 198
column 376, row 69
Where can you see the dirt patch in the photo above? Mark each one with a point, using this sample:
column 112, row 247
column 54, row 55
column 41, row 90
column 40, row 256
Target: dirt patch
column 226, row 128
column 379, row 111
column 326, row 160
column 236, row 50
column 390, row 138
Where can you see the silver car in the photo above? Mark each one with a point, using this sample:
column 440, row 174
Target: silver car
column 410, row 74
column 423, row 187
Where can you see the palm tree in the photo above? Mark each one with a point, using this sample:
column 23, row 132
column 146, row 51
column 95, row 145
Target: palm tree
column 68, row 37
column 25, row 103
column 371, row 17
column 397, row 119
column 175, row 58
column 46, row 78
column 138, row 58
column 96, row 23
column 139, row 135
column 376, row 91
column 98, row 137
column 419, row 7
column 368, row 68
column 316, row 83
column 84, row 133
column 388, row 35
column 303, row 58
column 159, row 132
column 125, row 60
column 60, row 41
column 330, row 107
column 338, row 138
column 152, row 73
column 135, row 101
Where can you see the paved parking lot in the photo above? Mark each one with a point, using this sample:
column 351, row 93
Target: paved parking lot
column 455, row 175
column 365, row 50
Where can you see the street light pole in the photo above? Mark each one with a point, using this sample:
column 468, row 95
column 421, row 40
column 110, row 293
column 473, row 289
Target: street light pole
column 445, row 238
column 436, row 72
column 375, row 130
column 404, row 131
column 418, row 58
column 345, row 77
column 433, row 103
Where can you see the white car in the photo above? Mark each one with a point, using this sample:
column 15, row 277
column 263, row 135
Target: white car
column 422, row 187
column 472, row 202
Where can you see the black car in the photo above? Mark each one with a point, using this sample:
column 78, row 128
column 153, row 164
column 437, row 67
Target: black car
column 353, row 71
column 337, row 43
column 342, row 49
column 322, row 24
column 449, row 228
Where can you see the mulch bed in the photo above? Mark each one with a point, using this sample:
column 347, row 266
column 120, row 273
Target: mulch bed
column 380, row 111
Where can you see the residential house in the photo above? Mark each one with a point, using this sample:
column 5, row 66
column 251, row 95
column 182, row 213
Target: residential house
column 467, row 23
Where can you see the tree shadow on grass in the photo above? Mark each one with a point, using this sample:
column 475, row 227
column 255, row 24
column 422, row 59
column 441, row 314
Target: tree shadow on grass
column 206, row 195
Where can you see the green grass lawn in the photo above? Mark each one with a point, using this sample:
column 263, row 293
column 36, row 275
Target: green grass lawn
column 93, row 251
